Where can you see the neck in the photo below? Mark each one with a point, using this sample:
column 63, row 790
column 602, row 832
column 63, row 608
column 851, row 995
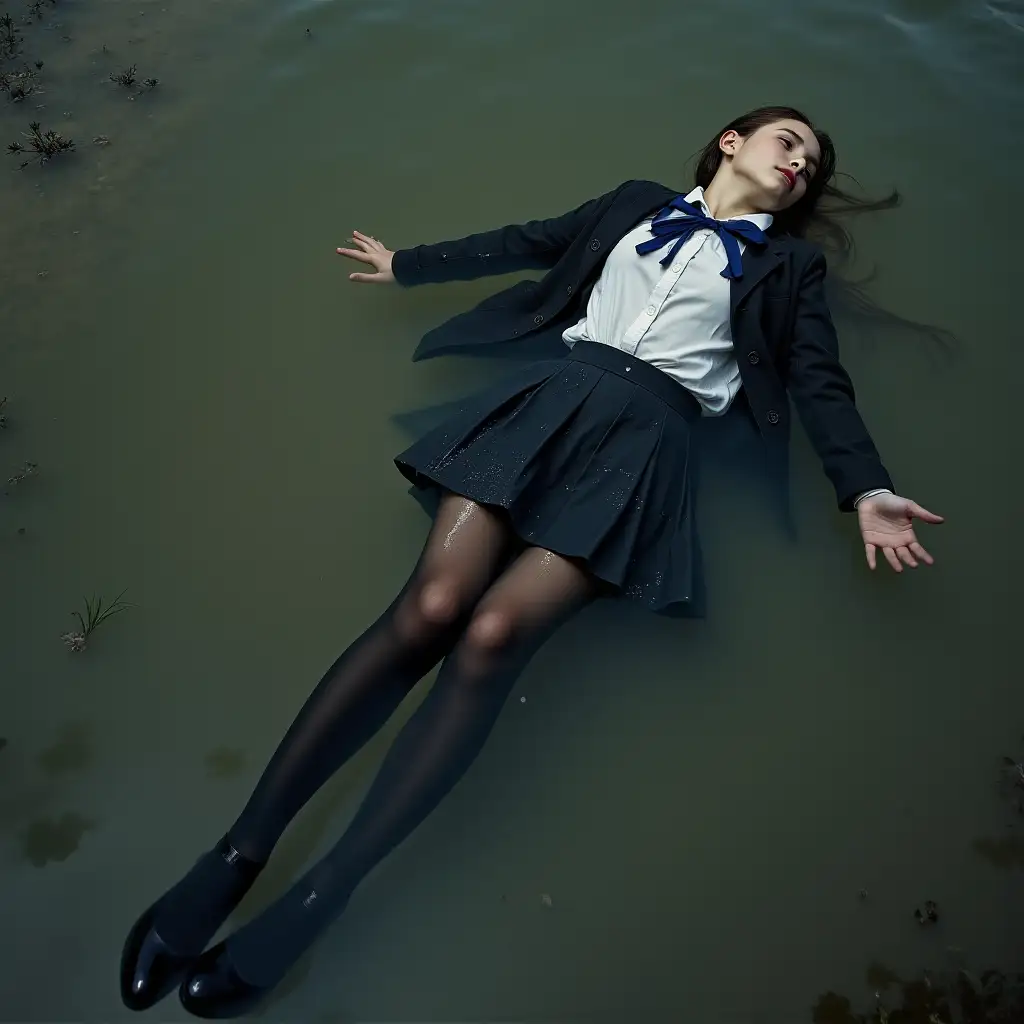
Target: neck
column 727, row 197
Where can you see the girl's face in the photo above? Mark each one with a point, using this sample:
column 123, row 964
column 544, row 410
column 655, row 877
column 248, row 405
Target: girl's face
column 777, row 161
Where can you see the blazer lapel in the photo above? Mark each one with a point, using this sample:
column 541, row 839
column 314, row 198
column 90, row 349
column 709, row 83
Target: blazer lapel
column 633, row 206
column 757, row 264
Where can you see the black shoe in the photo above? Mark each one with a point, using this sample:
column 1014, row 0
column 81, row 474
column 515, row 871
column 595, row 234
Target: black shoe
column 151, row 969
column 213, row 989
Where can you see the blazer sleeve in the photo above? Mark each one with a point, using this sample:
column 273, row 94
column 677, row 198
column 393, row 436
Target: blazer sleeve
column 824, row 396
column 535, row 245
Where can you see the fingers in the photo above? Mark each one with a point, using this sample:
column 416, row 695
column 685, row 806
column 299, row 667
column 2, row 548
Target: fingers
column 369, row 241
column 921, row 553
column 356, row 254
column 923, row 514
column 904, row 555
column 910, row 555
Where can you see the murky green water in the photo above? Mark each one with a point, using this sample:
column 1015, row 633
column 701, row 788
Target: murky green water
column 210, row 405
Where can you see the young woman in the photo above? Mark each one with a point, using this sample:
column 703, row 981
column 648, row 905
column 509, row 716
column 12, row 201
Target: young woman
column 566, row 482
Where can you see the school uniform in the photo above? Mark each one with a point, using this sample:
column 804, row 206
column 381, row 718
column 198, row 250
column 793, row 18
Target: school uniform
column 588, row 448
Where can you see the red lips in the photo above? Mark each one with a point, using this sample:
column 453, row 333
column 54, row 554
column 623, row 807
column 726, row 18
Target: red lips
column 789, row 176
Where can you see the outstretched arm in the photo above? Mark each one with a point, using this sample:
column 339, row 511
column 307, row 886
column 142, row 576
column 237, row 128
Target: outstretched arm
column 825, row 401
column 537, row 244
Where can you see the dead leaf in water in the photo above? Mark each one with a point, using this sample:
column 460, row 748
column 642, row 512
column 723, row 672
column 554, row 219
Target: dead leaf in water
column 48, row 840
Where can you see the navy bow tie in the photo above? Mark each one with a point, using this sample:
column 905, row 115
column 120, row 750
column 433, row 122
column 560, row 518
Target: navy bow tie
column 665, row 227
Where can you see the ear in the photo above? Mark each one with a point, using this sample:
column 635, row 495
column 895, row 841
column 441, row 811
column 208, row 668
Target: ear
column 730, row 142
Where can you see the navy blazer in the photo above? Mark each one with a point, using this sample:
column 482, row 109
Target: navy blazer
column 781, row 327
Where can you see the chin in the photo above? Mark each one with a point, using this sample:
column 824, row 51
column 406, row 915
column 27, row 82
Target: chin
column 784, row 201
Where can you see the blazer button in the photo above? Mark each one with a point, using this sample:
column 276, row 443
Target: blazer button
column 568, row 291
column 444, row 256
column 595, row 244
column 773, row 417
column 753, row 358
column 538, row 319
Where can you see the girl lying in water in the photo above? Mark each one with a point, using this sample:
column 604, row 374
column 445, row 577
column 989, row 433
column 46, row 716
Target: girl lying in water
column 568, row 481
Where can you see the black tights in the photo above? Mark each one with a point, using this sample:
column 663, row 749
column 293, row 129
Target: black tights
column 458, row 605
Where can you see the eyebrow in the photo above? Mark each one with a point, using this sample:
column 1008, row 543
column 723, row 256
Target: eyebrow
column 803, row 142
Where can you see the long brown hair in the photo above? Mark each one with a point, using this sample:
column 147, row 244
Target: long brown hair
column 815, row 214
column 818, row 216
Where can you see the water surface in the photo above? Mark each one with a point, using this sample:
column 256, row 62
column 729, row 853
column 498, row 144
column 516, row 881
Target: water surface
column 212, row 408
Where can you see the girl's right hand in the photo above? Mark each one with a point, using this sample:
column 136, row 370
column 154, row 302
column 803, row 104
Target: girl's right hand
column 372, row 252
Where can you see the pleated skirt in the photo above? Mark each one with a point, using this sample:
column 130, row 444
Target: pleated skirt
column 588, row 456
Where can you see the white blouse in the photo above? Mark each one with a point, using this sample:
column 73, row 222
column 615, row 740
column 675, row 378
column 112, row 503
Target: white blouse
column 674, row 317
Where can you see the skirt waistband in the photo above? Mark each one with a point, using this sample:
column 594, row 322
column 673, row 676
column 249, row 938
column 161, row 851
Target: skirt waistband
column 659, row 383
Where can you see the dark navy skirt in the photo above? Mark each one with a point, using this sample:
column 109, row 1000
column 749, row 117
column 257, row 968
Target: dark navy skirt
column 589, row 456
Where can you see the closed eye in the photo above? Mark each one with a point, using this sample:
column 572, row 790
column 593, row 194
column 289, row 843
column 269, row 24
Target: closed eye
column 788, row 143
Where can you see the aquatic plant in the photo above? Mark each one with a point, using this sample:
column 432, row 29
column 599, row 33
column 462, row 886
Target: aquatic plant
column 27, row 469
column 95, row 614
column 128, row 78
column 125, row 78
column 35, row 8
column 45, row 144
column 19, row 84
column 961, row 998
column 10, row 38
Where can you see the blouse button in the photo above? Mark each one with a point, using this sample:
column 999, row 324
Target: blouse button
column 650, row 311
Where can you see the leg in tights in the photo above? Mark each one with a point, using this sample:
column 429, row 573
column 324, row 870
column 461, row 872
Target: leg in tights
column 464, row 553
column 536, row 593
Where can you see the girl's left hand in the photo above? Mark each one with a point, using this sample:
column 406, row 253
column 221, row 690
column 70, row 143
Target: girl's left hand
column 886, row 522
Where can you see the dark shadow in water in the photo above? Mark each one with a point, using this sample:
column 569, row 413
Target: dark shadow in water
column 1007, row 852
column 49, row 840
column 224, row 763
column 960, row 998
column 71, row 752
